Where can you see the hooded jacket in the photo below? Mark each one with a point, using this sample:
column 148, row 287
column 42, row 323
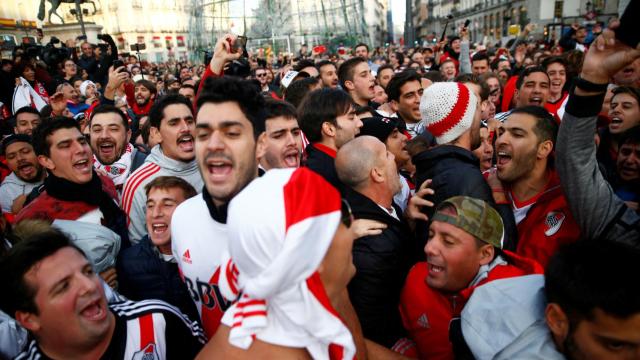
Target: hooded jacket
column 134, row 198
column 11, row 188
column 427, row 312
column 456, row 171
column 382, row 263
column 504, row 319
column 596, row 209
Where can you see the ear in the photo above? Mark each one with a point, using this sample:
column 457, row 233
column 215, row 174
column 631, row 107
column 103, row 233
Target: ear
column 376, row 175
column 544, row 149
column 28, row 320
column 261, row 147
column 128, row 135
column 515, row 95
column 349, row 85
column 155, row 132
column 486, row 254
column 394, row 105
column 557, row 321
column 328, row 129
column 46, row 162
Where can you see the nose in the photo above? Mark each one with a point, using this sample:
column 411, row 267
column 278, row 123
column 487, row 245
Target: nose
column 358, row 122
column 430, row 249
column 156, row 211
column 87, row 284
column 215, row 142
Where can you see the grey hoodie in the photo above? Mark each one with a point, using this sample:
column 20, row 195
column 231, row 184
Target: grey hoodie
column 504, row 319
column 594, row 205
column 11, row 188
column 133, row 196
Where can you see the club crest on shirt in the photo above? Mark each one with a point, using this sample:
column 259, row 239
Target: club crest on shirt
column 115, row 169
column 553, row 222
column 148, row 353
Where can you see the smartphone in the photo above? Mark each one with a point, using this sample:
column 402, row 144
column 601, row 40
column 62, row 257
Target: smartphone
column 628, row 32
column 240, row 44
column 81, row 37
column 137, row 47
column 118, row 63
column 466, row 23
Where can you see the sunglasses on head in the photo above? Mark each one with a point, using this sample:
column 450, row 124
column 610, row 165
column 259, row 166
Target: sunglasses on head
column 346, row 214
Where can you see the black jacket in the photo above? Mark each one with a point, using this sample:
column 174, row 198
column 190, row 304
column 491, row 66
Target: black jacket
column 143, row 275
column 323, row 164
column 382, row 263
column 456, row 171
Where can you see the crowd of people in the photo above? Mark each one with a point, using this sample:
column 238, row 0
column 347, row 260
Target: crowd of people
column 461, row 200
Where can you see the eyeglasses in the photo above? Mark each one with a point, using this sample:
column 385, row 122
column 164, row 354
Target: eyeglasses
column 261, row 75
column 346, row 214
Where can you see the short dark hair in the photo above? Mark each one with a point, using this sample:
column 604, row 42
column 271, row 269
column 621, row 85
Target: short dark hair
column 434, row 76
column 398, row 80
column 325, row 63
column 546, row 127
column 303, row 64
column 188, row 86
column 26, row 109
column 156, row 113
column 245, row 93
column 588, row 275
column 276, row 108
column 528, row 71
column 400, row 57
column 479, row 57
column 346, row 70
column 169, row 182
column 46, row 128
column 553, row 60
column 627, row 90
column 359, row 45
column 298, row 89
column 147, row 84
column 320, row 106
column 630, row 136
column 382, row 68
column 21, row 258
column 106, row 109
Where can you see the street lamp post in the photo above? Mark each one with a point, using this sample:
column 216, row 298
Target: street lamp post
column 409, row 34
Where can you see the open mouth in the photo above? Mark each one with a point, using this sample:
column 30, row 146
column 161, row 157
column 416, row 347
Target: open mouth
column 83, row 165
column 159, row 228
column 185, row 143
column 219, row 170
column 535, row 101
column 94, row 311
column 503, row 159
column 292, row 158
column 26, row 169
column 107, row 148
column 435, row 269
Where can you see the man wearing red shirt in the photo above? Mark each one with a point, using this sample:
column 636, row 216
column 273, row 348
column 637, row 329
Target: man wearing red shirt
column 526, row 178
column 140, row 96
column 463, row 252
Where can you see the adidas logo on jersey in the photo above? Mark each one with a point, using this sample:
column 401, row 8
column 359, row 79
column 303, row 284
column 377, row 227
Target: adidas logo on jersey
column 186, row 257
column 423, row 321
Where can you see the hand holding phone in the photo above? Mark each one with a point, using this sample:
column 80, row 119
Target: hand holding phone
column 628, row 32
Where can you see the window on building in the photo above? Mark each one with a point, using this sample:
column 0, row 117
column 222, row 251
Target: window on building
column 180, row 40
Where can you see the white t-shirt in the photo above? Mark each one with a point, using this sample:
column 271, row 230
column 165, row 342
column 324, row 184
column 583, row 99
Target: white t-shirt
column 197, row 243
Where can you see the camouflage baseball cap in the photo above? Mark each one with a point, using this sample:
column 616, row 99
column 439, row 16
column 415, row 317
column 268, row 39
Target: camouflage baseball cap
column 476, row 217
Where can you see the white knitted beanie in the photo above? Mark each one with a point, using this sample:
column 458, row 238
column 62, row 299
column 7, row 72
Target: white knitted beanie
column 447, row 110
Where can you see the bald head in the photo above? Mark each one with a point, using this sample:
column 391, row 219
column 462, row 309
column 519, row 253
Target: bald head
column 356, row 158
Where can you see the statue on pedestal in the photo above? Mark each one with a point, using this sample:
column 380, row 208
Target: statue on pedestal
column 56, row 3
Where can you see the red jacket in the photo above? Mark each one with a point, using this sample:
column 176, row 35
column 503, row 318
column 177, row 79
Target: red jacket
column 426, row 312
column 548, row 224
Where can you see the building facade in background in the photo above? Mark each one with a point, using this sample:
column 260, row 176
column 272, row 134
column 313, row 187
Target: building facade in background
column 496, row 20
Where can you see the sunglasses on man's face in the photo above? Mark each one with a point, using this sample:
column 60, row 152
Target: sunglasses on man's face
column 261, row 75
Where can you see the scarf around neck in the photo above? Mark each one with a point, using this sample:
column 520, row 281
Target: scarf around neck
column 118, row 171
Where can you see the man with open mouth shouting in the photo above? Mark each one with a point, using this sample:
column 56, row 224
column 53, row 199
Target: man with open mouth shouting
column 60, row 300
column 73, row 190
column 26, row 172
column 172, row 122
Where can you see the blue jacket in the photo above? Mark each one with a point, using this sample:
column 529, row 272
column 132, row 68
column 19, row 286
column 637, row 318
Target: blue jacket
column 143, row 275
